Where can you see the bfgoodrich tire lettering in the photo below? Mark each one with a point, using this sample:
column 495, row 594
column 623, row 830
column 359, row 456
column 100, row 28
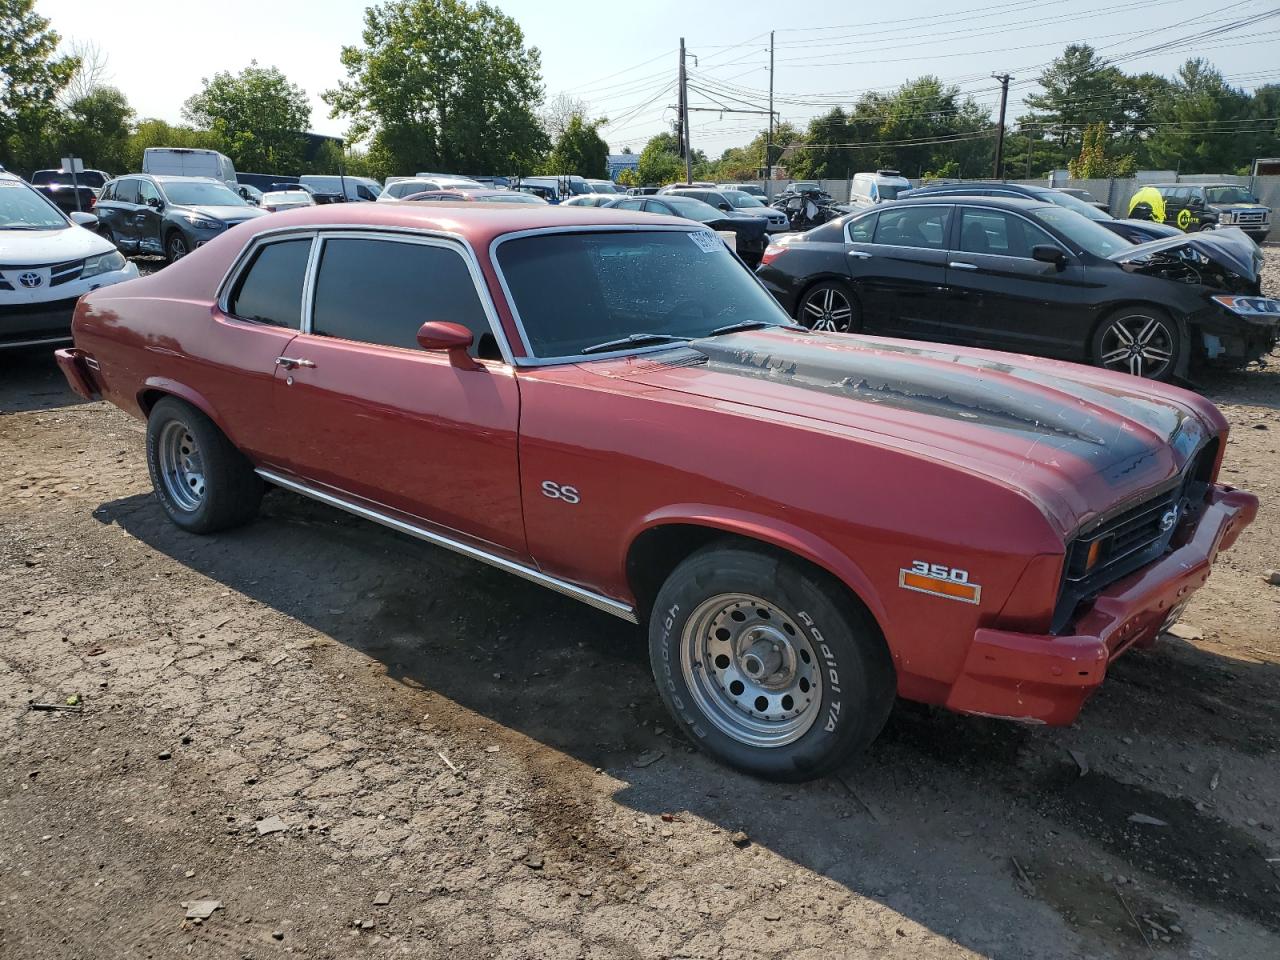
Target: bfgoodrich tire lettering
column 202, row 481
column 819, row 644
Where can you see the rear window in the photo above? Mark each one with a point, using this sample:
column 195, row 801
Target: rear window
column 270, row 289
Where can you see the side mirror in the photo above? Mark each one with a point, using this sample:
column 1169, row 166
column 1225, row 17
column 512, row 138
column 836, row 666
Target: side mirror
column 155, row 202
column 725, row 207
column 1047, row 253
column 86, row 220
column 453, row 338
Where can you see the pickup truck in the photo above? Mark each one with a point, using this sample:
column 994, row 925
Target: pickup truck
column 609, row 404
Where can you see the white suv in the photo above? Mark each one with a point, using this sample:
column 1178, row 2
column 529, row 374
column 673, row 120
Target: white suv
column 47, row 260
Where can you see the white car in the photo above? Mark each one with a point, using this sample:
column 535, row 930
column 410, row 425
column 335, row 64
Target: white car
column 604, row 186
column 47, row 260
column 401, row 187
column 273, row 201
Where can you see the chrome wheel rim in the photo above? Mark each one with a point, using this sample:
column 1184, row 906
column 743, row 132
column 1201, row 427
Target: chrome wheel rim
column 827, row 309
column 181, row 467
column 751, row 670
column 177, row 248
column 1137, row 344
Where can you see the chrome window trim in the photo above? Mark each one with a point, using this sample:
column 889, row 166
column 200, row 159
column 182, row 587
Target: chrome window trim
column 319, row 231
column 241, row 264
column 1012, row 213
column 589, row 597
column 530, row 359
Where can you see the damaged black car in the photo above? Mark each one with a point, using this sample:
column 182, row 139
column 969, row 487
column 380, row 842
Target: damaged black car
column 1031, row 277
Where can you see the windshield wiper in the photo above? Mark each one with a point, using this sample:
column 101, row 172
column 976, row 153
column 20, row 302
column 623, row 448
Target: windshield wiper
column 753, row 325
column 633, row 340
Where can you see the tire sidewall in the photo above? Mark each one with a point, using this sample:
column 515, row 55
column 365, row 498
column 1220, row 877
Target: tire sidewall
column 168, row 246
column 842, row 288
column 170, row 410
column 1176, row 329
column 852, row 708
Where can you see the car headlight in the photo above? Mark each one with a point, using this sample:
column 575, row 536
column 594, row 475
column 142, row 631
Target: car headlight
column 1254, row 309
column 103, row 263
column 203, row 223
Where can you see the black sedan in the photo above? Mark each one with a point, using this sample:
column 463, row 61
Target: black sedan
column 1031, row 277
column 1135, row 231
column 751, row 231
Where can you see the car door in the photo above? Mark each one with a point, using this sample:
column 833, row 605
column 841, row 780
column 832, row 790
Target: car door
column 374, row 418
column 900, row 275
column 120, row 220
column 148, row 217
column 1176, row 200
column 1000, row 297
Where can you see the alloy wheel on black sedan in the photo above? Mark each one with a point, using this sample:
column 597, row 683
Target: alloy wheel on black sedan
column 828, row 307
column 1140, row 342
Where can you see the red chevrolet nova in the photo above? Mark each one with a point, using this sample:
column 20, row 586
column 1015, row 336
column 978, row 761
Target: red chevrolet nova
column 610, row 405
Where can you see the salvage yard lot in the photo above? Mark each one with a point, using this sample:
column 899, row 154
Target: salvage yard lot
column 495, row 758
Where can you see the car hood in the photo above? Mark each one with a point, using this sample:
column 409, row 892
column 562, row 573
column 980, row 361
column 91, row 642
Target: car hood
column 229, row 214
column 50, row 246
column 1222, row 259
column 1077, row 442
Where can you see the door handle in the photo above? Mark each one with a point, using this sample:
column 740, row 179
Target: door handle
column 954, row 265
column 290, row 363
column 860, row 254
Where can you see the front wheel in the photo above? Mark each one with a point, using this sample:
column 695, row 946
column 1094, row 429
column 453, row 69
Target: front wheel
column 1142, row 341
column 767, row 664
column 176, row 247
column 829, row 306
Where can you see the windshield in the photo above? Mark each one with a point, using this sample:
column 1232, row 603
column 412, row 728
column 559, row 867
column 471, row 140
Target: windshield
column 1086, row 234
column 739, row 200
column 21, row 208
column 604, row 188
column 191, row 193
column 1229, row 195
column 1086, row 210
column 890, row 191
column 578, row 187
column 575, row 290
column 692, row 209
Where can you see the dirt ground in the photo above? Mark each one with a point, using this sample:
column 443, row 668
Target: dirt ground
column 480, row 753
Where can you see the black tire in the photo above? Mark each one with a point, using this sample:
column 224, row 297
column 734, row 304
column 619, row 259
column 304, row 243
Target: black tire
column 228, row 491
column 829, row 306
column 1163, row 337
column 853, row 669
column 175, row 246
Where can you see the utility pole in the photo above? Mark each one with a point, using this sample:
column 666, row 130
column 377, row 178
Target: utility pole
column 684, row 119
column 1004, row 97
column 768, row 137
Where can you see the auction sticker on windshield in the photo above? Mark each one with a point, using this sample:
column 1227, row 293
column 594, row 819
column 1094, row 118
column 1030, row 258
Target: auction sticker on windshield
column 707, row 242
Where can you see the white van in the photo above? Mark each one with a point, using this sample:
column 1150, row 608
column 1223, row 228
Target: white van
column 354, row 188
column 868, row 189
column 189, row 162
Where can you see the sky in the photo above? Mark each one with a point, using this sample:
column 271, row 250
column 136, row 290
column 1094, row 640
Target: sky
column 624, row 66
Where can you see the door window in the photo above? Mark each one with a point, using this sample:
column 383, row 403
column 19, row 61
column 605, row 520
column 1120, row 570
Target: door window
column 127, row 191
column 147, row 191
column 993, row 231
column 862, row 229
column 270, row 288
column 108, row 192
column 382, row 291
column 914, row 227
column 629, row 205
column 1181, row 195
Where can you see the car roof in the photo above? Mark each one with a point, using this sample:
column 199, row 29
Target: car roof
column 169, row 178
column 1012, row 203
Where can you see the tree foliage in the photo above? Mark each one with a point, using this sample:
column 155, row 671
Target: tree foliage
column 97, row 128
column 259, row 115
column 1093, row 162
column 580, row 150
column 31, row 78
column 443, row 85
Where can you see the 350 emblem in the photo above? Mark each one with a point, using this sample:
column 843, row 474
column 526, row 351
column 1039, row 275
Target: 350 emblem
column 559, row 491
column 939, row 572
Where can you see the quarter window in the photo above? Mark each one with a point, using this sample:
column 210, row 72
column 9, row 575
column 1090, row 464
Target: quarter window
column 147, row 191
column 270, row 288
column 992, row 231
column 863, row 229
column 382, row 291
column 914, row 227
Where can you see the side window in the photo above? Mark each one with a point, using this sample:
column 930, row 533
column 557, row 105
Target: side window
column 382, row 291
column 863, row 229
column 127, row 191
column 914, row 227
column 992, row 231
column 108, row 192
column 629, row 205
column 270, row 288
column 1181, row 195
column 364, row 193
column 147, row 191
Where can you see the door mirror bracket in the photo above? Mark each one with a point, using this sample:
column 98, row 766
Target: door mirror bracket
column 453, row 338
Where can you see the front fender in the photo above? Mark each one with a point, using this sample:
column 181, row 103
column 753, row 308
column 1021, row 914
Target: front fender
column 784, row 536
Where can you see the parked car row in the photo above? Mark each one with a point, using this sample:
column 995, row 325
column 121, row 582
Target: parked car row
column 607, row 403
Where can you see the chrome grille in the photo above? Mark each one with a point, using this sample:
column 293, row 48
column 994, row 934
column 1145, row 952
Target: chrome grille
column 1251, row 217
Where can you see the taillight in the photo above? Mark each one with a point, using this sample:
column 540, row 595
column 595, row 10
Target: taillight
column 93, row 202
column 771, row 252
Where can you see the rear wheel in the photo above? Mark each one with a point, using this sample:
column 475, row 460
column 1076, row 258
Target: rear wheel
column 203, row 482
column 767, row 664
column 829, row 306
column 1142, row 341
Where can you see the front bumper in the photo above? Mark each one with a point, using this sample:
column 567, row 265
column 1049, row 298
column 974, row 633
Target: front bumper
column 43, row 315
column 1046, row 679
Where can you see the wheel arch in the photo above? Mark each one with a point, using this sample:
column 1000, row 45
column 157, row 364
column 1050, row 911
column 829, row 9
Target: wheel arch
column 667, row 537
column 155, row 389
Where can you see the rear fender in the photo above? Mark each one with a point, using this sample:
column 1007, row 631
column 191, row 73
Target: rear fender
column 163, row 385
column 769, row 530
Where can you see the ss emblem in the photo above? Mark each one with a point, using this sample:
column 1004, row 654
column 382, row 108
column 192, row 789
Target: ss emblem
column 558, row 491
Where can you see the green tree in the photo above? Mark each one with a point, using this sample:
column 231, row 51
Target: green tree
column 580, row 150
column 660, row 161
column 1093, row 162
column 97, row 128
column 30, row 79
column 1199, row 129
column 259, row 115
column 1077, row 88
column 157, row 133
column 443, row 85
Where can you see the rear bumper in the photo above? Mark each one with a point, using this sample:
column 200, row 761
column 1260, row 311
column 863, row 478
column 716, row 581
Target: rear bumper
column 1046, row 679
column 78, row 369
